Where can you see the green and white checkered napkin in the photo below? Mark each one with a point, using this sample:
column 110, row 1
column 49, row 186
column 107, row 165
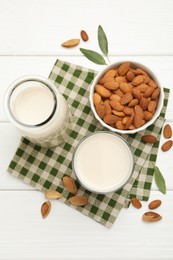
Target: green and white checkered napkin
column 44, row 168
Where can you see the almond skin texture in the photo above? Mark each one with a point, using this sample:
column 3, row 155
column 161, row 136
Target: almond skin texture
column 116, row 105
column 136, row 203
column 101, row 110
column 124, row 68
column 143, row 103
column 149, row 139
column 133, row 102
column 71, row 43
column 110, row 119
column 151, row 216
column 126, row 99
column 130, row 75
column 84, row 35
column 136, row 93
column 167, row 131
column 166, row 146
column 111, row 85
column 45, row 209
column 78, row 200
column 52, row 194
column 69, row 184
column 138, row 80
column 138, row 121
column 102, row 91
column 154, row 204
column 96, row 99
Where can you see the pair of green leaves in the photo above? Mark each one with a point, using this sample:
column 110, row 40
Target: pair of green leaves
column 103, row 44
column 160, row 182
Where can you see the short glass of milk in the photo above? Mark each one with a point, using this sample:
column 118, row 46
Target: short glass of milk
column 35, row 106
column 103, row 162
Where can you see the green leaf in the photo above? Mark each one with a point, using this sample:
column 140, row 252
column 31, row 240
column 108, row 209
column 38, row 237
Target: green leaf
column 102, row 39
column 159, row 180
column 93, row 56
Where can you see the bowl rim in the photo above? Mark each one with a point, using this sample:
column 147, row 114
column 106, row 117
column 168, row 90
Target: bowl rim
column 115, row 188
column 153, row 76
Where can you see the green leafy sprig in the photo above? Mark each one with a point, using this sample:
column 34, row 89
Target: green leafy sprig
column 103, row 44
column 159, row 179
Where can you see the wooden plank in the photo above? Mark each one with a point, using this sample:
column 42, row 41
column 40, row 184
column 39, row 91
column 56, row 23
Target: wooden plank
column 39, row 27
column 67, row 234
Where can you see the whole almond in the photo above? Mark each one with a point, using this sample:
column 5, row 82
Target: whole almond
column 143, row 103
column 147, row 115
column 138, row 121
column 166, row 146
column 142, row 87
column 110, row 73
column 84, row 35
column 146, row 78
column 116, row 105
column 149, row 139
column 71, row 43
column 96, row 99
column 136, row 203
column 101, row 110
column 125, row 87
column 154, row 204
column 138, row 80
column 45, row 209
column 78, row 200
column 111, row 85
column 102, row 91
column 167, row 131
column 133, row 102
column 123, row 69
column 141, row 71
column 152, row 106
column 136, row 93
column 120, row 125
column 69, row 184
column 138, row 110
column 106, row 79
column 128, row 110
column 151, row 216
column 118, row 113
column 115, row 97
column 119, row 92
column 148, row 92
column 130, row 75
column 108, row 107
column 126, row 99
column 156, row 93
column 129, row 122
column 120, row 79
column 152, row 83
column 110, row 119
column 52, row 194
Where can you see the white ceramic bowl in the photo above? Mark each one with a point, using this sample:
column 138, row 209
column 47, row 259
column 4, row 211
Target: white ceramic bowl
column 159, row 105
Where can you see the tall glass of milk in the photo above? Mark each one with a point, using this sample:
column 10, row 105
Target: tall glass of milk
column 35, row 106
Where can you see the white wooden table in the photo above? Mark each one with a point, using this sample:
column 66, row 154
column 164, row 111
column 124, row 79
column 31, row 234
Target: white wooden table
column 31, row 33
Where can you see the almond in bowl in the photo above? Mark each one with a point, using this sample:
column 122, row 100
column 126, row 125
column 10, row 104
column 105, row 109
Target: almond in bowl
column 126, row 97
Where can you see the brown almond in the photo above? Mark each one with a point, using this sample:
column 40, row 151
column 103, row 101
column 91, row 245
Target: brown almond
column 124, row 68
column 130, row 75
column 138, row 110
column 167, row 131
column 152, row 106
column 126, row 99
column 129, row 122
column 136, row 203
column 142, row 87
column 147, row 115
column 154, row 204
column 138, row 121
column 118, row 113
column 119, row 92
column 71, row 43
column 136, row 93
column 52, row 194
column 78, row 200
column 116, row 105
column 141, row 71
column 125, row 87
column 108, row 107
column 120, row 125
column 151, row 216
column 148, row 92
column 115, row 97
column 149, row 139
column 166, row 146
column 156, row 93
column 96, row 99
column 133, row 102
column 152, row 83
column 128, row 110
column 101, row 110
column 146, row 78
column 120, row 79
column 125, row 120
column 84, row 36
column 69, row 184
column 110, row 73
column 106, row 79
column 111, row 85
column 110, row 119
column 102, row 91
column 143, row 103
column 45, row 209
column 138, row 80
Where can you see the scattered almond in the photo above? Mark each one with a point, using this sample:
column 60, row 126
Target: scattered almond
column 166, row 146
column 45, row 209
column 167, row 131
column 84, row 35
column 123, row 69
column 79, row 200
column 69, row 184
column 149, row 139
column 154, row 204
column 151, row 216
column 71, row 43
column 136, row 203
column 52, row 194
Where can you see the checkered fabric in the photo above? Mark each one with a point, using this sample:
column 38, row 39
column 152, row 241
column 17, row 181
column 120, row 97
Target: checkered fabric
column 44, row 168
